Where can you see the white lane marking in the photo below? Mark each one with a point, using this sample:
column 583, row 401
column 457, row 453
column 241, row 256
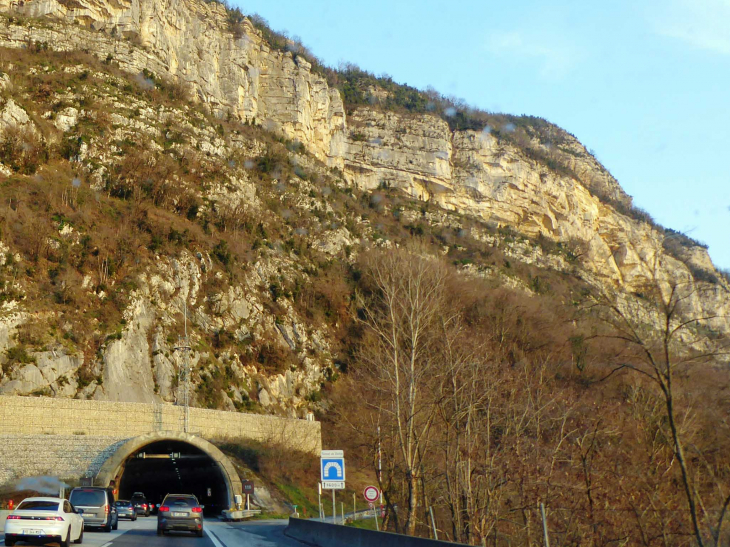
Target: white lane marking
column 214, row 539
column 107, row 544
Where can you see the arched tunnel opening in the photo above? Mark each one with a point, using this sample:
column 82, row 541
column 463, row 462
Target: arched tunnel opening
column 174, row 467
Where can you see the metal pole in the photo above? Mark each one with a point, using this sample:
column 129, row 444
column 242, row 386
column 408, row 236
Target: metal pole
column 433, row 523
column 184, row 374
column 380, row 462
column 342, row 510
column 354, row 506
column 544, row 525
column 375, row 512
column 319, row 499
column 334, row 508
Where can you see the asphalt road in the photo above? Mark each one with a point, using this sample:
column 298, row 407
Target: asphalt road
column 143, row 532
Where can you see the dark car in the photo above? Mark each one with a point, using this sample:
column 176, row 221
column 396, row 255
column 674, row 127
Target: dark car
column 125, row 510
column 140, row 504
column 97, row 505
column 180, row 512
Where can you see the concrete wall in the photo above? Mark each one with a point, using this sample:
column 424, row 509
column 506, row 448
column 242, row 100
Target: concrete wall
column 57, row 416
column 3, row 516
column 70, row 438
column 324, row 534
column 63, row 456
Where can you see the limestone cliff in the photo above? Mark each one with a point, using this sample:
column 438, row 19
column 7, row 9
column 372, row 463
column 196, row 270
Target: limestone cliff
column 233, row 73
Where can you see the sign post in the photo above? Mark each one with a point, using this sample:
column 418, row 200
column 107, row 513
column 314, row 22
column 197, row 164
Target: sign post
column 332, row 473
column 371, row 495
column 319, row 498
column 248, row 489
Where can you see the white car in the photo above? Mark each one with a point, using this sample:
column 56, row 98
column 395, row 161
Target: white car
column 44, row 520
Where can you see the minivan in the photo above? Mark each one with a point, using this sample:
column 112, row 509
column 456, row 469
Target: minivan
column 97, row 505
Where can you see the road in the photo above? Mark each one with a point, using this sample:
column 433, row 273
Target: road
column 143, row 532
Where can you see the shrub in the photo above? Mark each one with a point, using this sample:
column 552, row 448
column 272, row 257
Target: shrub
column 22, row 150
column 222, row 252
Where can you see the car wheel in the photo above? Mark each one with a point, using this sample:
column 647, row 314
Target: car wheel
column 159, row 531
column 81, row 536
column 107, row 528
column 199, row 533
column 116, row 525
column 65, row 542
column 9, row 541
column 134, row 518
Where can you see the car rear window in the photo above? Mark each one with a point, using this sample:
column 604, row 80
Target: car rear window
column 123, row 504
column 88, row 498
column 181, row 502
column 38, row 506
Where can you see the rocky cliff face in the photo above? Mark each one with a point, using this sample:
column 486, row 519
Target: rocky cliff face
column 236, row 73
column 232, row 71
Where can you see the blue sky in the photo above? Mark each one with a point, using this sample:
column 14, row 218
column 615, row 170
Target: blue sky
column 645, row 85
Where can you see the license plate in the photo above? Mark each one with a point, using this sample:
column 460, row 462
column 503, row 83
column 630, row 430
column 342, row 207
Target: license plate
column 33, row 532
column 179, row 514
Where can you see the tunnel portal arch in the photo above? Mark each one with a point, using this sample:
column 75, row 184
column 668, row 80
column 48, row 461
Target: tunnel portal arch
column 113, row 467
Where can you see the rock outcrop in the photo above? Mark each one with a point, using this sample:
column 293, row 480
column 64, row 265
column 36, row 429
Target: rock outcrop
column 229, row 67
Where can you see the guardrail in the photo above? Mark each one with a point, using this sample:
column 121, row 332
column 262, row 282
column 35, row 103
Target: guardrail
column 324, row 534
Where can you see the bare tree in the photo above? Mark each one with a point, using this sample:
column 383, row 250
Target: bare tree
column 403, row 314
column 667, row 340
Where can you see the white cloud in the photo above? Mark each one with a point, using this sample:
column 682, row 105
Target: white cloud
column 555, row 59
column 702, row 24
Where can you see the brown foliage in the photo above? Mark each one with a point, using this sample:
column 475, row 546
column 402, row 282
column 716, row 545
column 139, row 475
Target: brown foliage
column 521, row 420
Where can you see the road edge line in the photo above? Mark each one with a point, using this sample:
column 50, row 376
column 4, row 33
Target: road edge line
column 216, row 541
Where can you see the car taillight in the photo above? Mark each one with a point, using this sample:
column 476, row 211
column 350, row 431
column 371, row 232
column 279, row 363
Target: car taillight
column 13, row 517
column 144, row 506
column 197, row 510
column 60, row 519
column 106, row 509
column 163, row 509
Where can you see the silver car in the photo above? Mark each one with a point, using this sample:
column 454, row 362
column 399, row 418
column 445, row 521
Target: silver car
column 180, row 512
column 125, row 510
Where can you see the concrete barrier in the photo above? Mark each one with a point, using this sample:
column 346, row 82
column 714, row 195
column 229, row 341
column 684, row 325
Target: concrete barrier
column 3, row 515
column 324, row 534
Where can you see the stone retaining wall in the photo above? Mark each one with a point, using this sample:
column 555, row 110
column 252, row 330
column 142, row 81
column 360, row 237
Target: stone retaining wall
column 70, row 438
column 67, row 457
column 58, row 416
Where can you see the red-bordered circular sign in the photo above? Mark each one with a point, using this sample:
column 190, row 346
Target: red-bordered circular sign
column 371, row 493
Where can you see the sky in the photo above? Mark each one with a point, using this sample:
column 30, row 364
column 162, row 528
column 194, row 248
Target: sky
column 644, row 85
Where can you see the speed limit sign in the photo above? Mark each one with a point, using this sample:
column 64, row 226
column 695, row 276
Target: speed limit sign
column 371, row 494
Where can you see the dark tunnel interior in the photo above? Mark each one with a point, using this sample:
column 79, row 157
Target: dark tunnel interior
column 174, row 467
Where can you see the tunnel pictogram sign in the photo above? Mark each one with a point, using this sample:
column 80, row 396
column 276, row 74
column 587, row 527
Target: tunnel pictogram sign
column 332, row 468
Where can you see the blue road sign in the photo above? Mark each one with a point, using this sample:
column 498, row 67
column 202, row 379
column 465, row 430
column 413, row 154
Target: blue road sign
column 332, row 466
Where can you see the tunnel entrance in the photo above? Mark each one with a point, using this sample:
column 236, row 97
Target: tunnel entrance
column 174, row 467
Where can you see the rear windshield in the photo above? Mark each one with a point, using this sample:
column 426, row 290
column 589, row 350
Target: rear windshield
column 123, row 504
column 181, row 502
column 88, row 498
column 38, row 506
